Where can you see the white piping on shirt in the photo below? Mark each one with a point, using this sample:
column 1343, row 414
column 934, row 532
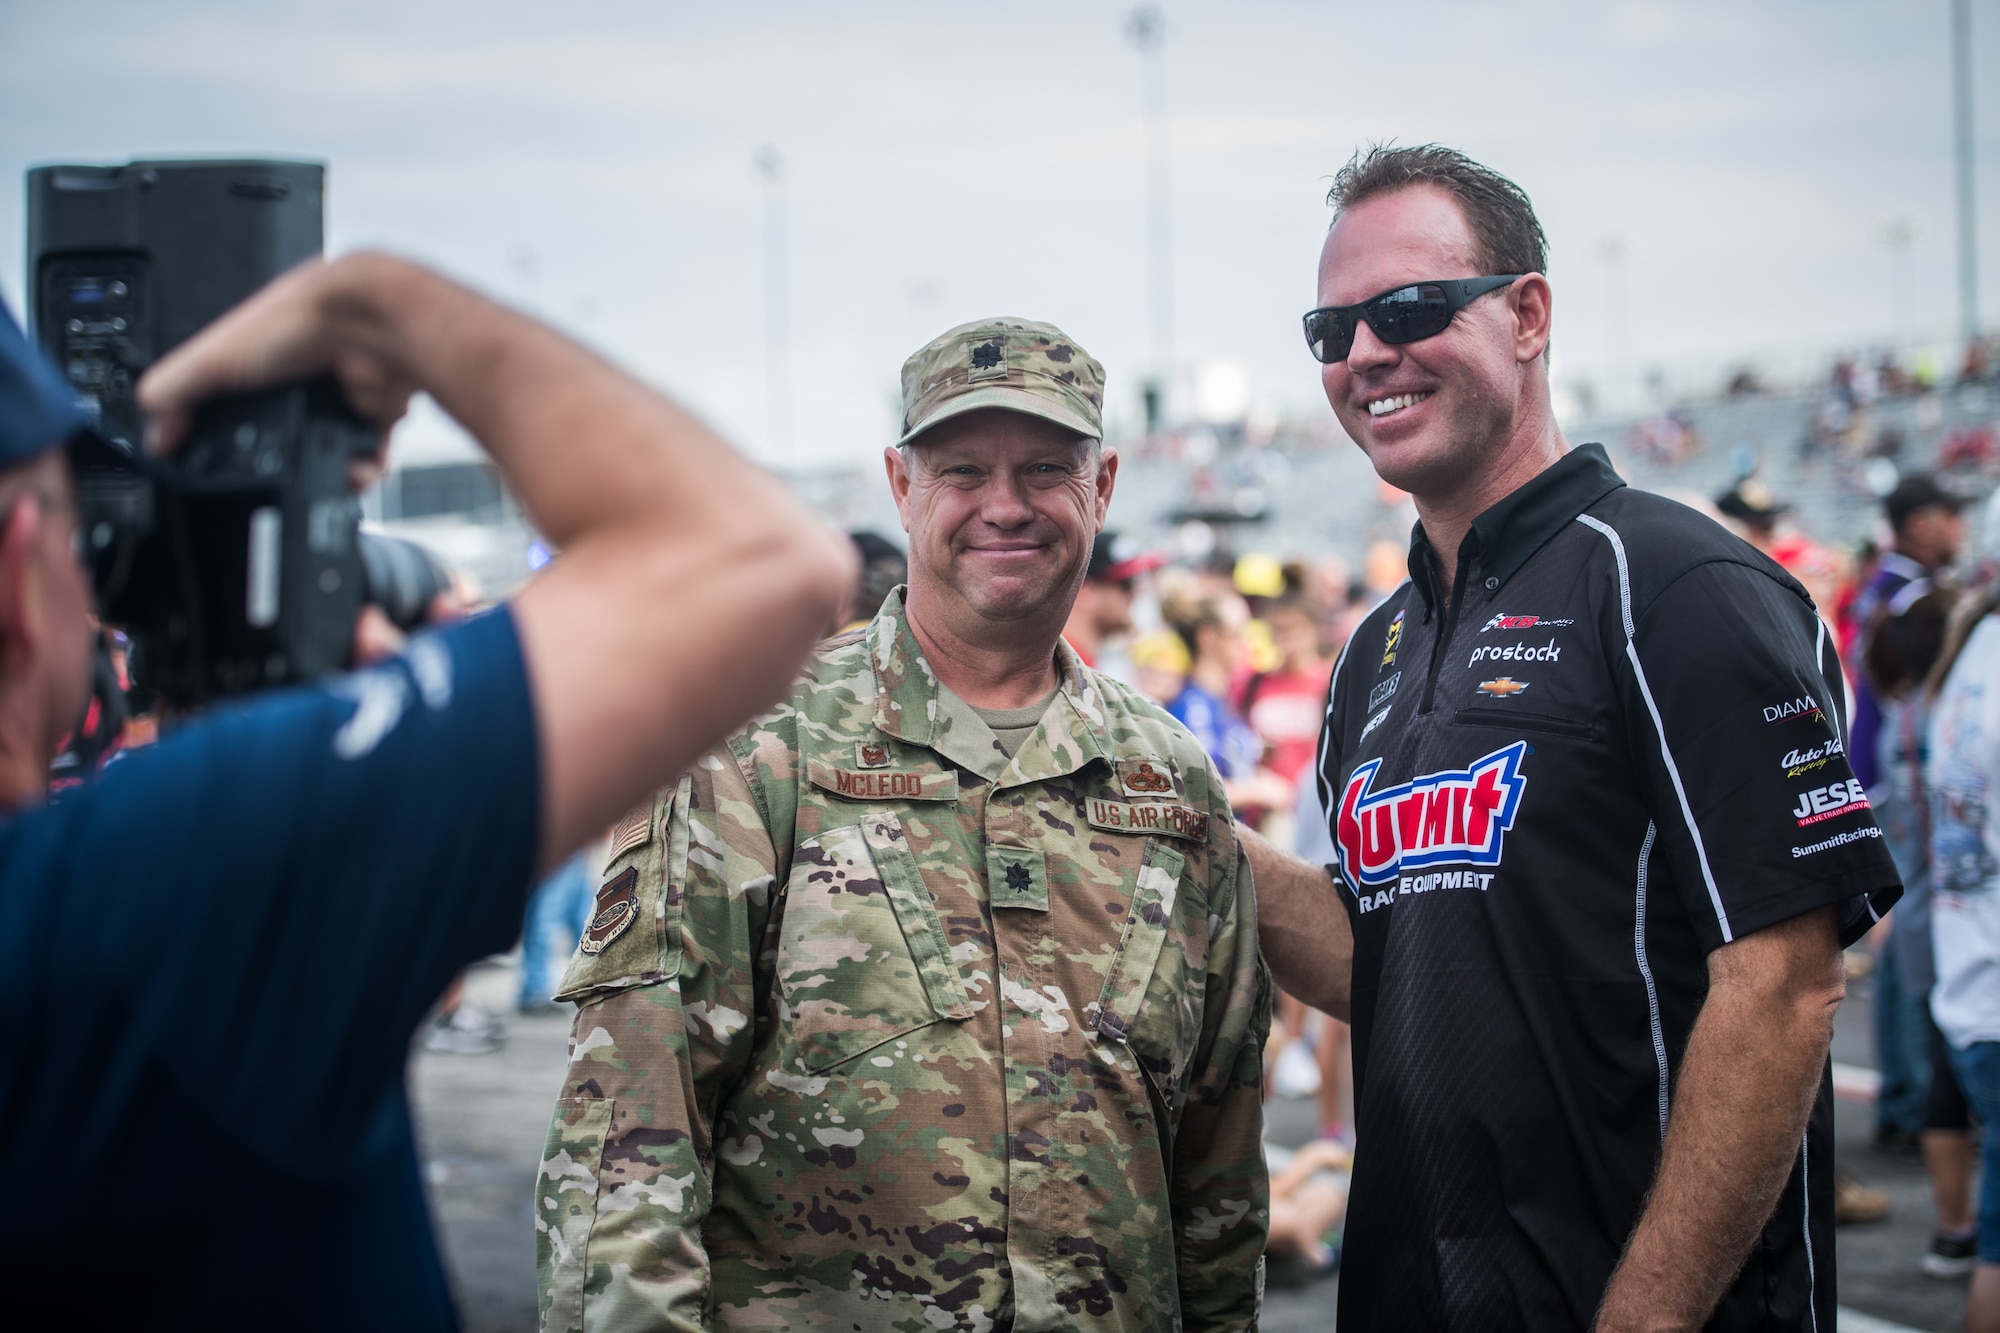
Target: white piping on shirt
column 1646, row 692
column 1646, row 971
column 1805, row 1221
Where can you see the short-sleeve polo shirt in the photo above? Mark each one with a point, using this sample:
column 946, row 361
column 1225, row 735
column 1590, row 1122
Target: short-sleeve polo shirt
column 1613, row 745
column 212, row 960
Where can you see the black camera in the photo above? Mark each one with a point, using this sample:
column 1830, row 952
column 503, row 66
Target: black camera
column 238, row 564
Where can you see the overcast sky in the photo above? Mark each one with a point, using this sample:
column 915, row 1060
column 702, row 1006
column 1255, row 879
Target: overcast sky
column 594, row 162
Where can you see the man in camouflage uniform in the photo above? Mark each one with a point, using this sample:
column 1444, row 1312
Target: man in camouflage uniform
column 930, row 1000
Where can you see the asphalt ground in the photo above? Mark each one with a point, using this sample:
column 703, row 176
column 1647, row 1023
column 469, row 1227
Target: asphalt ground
column 482, row 1119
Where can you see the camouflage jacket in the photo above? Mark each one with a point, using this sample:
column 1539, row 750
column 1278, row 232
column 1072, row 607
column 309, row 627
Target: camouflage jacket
column 880, row 1029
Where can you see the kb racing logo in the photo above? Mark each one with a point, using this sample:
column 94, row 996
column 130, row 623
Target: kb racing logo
column 1520, row 622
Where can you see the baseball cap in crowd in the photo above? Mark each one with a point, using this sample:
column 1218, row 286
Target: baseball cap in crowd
column 1751, row 500
column 1114, row 559
column 1016, row 364
column 37, row 410
column 1918, row 490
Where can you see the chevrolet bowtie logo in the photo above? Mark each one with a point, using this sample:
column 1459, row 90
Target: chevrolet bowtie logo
column 1503, row 687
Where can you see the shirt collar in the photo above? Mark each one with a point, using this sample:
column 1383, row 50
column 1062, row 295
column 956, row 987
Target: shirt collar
column 1521, row 523
column 912, row 706
column 1895, row 562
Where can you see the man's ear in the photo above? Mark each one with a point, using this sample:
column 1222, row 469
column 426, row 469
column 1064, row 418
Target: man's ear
column 1533, row 304
column 1107, row 478
column 20, row 616
column 899, row 482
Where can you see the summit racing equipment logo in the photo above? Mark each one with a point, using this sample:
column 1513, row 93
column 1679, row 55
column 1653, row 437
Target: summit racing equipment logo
column 1457, row 817
column 1521, row 622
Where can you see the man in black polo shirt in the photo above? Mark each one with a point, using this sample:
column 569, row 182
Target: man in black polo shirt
column 1597, row 841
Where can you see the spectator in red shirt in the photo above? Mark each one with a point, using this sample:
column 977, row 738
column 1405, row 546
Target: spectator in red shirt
column 1103, row 609
column 1286, row 705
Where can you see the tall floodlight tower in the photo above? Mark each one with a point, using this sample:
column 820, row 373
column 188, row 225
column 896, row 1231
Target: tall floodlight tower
column 1146, row 30
column 777, row 304
column 1961, row 107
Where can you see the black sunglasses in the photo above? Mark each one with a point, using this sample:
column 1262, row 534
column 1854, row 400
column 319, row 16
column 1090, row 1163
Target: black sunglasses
column 1403, row 314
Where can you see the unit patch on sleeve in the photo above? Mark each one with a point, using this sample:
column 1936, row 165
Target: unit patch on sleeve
column 617, row 904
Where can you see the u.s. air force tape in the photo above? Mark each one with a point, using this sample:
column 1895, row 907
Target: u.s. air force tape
column 1175, row 821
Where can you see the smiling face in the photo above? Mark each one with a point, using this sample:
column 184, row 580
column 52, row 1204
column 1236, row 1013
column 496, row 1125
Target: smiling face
column 1001, row 508
column 1429, row 414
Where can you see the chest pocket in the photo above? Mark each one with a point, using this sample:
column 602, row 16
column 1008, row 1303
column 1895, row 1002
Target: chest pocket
column 862, row 957
column 1152, row 998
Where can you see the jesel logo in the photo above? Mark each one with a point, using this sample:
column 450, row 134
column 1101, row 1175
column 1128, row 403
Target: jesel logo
column 1452, row 818
column 1831, row 802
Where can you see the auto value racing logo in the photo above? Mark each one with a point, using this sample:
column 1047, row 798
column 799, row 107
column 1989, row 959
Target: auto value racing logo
column 1458, row 817
column 1831, row 802
column 1798, row 763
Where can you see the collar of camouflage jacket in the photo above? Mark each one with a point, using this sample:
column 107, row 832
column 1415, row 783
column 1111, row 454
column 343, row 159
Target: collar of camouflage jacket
column 912, row 706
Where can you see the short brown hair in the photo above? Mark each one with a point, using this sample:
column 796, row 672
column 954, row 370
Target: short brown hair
column 1504, row 227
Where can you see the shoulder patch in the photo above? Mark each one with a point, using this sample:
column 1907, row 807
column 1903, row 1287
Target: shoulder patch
column 1147, row 777
column 1162, row 817
column 635, row 830
column 617, row 904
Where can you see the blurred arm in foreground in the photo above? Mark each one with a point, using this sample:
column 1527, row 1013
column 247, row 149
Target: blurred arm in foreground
column 213, row 957
column 660, row 523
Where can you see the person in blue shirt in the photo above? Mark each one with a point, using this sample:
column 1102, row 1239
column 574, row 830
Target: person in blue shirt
column 212, row 958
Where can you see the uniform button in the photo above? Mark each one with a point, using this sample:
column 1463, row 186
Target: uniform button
column 1492, row 583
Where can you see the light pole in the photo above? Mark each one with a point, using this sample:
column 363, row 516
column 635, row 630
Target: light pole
column 1961, row 105
column 1899, row 237
column 777, row 303
column 1146, row 30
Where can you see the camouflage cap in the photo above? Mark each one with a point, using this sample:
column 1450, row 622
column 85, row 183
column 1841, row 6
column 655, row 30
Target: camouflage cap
column 1012, row 363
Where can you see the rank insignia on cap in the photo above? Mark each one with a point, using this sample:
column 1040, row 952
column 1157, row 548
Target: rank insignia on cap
column 617, row 904
column 635, row 830
column 872, row 754
column 1143, row 777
